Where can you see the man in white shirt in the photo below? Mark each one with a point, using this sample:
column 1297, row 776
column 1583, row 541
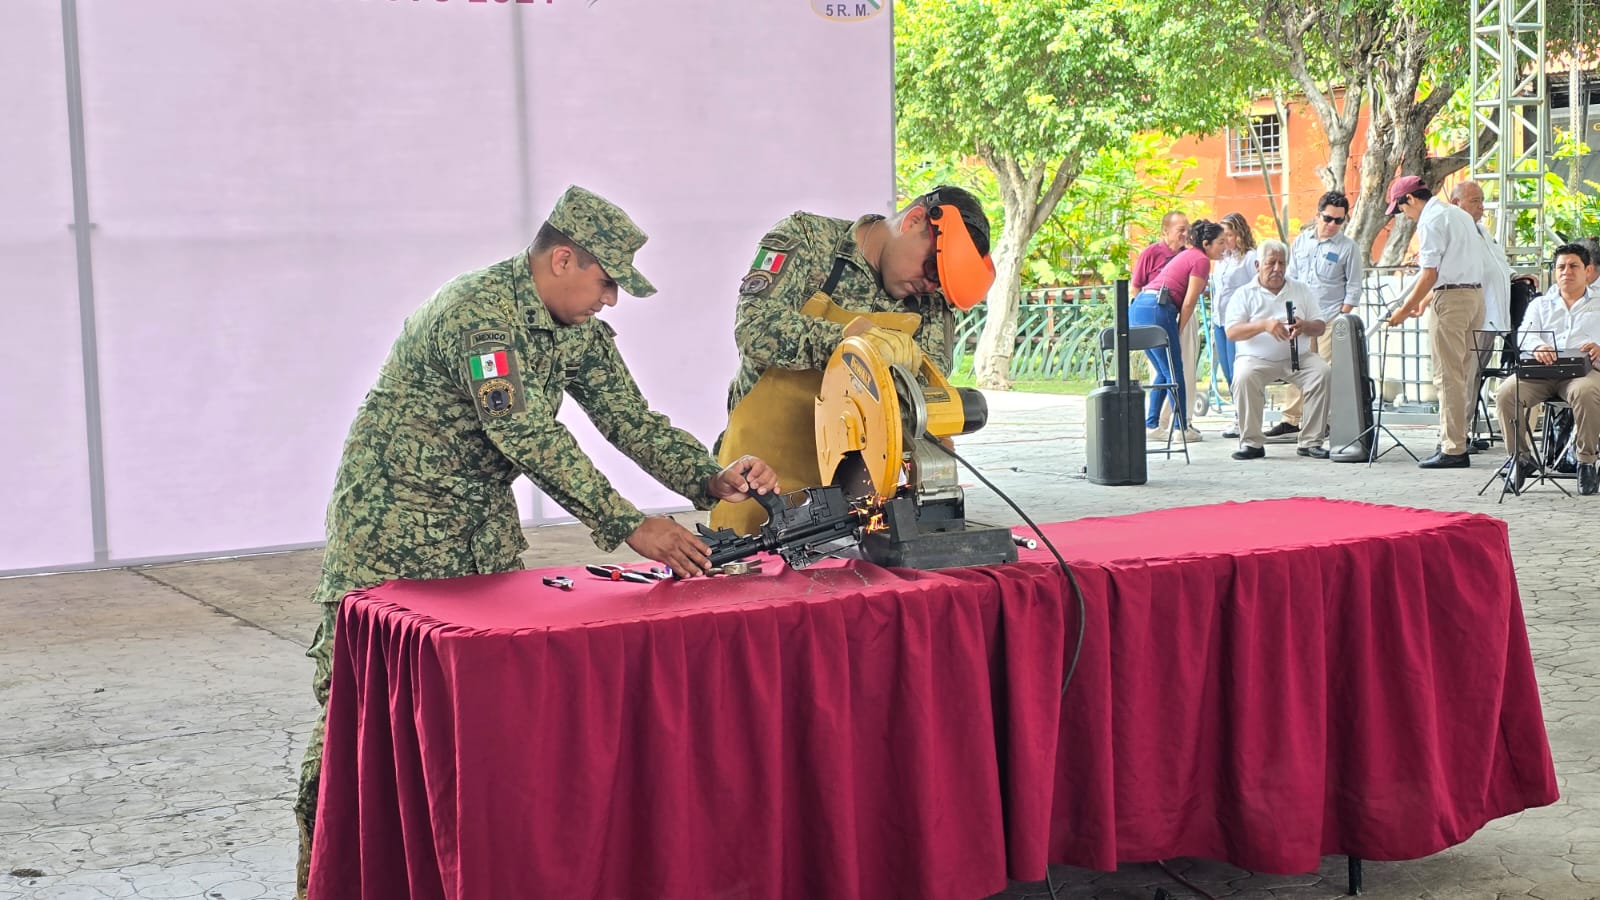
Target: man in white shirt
column 1564, row 322
column 1328, row 263
column 1257, row 323
column 1468, row 197
column 1450, row 287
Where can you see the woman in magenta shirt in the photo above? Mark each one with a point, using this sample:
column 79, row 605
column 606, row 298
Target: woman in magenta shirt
column 1170, row 301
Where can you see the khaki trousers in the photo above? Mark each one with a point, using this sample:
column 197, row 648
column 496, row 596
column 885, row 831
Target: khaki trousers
column 1295, row 408
column 1582, row 394
column 1189, row 345
column 1452, row 317
column 1251, row 375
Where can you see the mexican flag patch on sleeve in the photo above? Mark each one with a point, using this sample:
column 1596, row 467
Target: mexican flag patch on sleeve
column 489, row 365
column 769, row 260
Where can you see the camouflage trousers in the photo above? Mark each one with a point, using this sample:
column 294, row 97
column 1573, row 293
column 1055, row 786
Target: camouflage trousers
column 305, row 804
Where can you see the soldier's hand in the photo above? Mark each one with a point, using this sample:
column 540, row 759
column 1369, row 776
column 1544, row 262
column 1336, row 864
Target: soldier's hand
column 896, row 347
column 744, row 476
column 665, row 541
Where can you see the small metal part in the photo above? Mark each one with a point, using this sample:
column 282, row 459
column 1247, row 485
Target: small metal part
column 1027, row 542
column 558, row 581
column 738, row 567
column 612, row 572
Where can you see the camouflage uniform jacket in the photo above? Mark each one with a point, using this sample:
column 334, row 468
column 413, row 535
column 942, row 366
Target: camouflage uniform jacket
column 769, row 328
column 466, row 402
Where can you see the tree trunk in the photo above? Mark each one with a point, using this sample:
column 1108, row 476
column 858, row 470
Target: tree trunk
column 1405, row 148
column 1354, row 37
column 1332, row 174
column 1028, row 201
column 991, row 367
column 1377, row 170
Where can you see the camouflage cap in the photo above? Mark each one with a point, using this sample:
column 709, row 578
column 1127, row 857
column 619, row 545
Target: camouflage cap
column 605, row 231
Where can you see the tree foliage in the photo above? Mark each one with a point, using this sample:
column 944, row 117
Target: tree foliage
column 1037, row 88
column 1043, row 92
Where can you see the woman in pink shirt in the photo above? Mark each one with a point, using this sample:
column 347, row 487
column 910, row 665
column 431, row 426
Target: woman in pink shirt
column 1170, row 302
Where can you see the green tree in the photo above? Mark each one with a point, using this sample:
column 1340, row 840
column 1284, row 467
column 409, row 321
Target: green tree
column 1036, row 88
column 1089, row 238
column 1409, row 60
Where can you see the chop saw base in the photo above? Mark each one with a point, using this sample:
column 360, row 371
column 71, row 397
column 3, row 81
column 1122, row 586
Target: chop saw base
column 932, row 542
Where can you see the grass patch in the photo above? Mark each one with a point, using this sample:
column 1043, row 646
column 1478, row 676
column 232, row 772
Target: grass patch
column 962, row 377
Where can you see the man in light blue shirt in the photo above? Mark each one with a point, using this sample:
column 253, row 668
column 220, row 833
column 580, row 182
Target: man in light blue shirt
column 1327, row 261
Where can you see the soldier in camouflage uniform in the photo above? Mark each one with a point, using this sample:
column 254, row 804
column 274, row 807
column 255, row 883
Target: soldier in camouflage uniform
column 467, row 401
column 816, row 280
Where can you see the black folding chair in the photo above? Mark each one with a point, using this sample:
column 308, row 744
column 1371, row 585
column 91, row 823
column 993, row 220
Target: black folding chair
column 1152, row 337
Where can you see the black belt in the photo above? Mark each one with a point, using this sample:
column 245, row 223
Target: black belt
column 1458, row 287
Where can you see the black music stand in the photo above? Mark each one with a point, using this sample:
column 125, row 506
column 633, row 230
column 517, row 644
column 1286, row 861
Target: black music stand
column 1377, row 401
column 1524, row 428
column 1486, row 343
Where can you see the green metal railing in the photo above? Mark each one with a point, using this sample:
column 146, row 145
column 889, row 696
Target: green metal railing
column 1058, row 333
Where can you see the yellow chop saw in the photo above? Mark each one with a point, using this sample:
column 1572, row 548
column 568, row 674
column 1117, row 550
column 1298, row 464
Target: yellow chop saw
column 890, row 488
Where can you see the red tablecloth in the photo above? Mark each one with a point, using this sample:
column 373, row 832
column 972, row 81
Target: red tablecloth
column 1262, row 683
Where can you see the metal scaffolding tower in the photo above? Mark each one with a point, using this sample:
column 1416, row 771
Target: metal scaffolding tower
column 1510, row 123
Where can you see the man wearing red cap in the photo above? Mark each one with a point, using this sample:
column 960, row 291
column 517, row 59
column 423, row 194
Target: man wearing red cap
column 1450, row 286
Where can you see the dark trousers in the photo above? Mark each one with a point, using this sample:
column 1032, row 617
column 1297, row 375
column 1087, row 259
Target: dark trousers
column 1167, row 361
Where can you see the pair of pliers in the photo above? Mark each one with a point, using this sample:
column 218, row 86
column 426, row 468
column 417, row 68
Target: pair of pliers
column 619, row 573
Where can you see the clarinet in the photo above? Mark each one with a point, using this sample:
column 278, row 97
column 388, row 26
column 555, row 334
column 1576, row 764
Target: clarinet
column 1294, row 342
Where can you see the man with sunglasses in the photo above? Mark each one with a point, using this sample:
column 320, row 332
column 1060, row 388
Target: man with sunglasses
column 816, row 280
column 1327, row 261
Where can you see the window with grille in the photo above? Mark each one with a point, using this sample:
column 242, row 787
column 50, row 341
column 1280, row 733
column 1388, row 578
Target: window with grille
column 1249, row 148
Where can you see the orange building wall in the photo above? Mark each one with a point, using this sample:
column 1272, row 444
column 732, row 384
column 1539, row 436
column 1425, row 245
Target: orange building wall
column 1306, row 146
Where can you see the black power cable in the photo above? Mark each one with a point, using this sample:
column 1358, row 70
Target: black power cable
column 1072, row 579
column 1182, row 880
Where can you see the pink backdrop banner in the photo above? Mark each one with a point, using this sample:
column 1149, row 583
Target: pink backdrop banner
column 708, row 122
column 44, row 468
column 275, row 186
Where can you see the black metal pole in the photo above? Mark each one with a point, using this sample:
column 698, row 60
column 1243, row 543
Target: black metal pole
column 1123, row 363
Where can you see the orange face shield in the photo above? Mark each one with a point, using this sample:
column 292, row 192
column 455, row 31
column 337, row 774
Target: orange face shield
column 962, row 273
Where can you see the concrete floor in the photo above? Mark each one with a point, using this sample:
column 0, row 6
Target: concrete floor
column 154, row 717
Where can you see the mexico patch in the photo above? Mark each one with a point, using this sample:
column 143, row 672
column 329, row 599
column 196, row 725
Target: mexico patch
column 769, row 260
column 489, row 365
column 497, row 397
column 488, row 336
column 755, row 283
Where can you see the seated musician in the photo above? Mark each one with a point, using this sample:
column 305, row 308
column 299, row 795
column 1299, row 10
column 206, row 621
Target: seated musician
column 1565, row 322
column 1268, row 347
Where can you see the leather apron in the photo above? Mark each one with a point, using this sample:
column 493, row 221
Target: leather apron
column 776, row 421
